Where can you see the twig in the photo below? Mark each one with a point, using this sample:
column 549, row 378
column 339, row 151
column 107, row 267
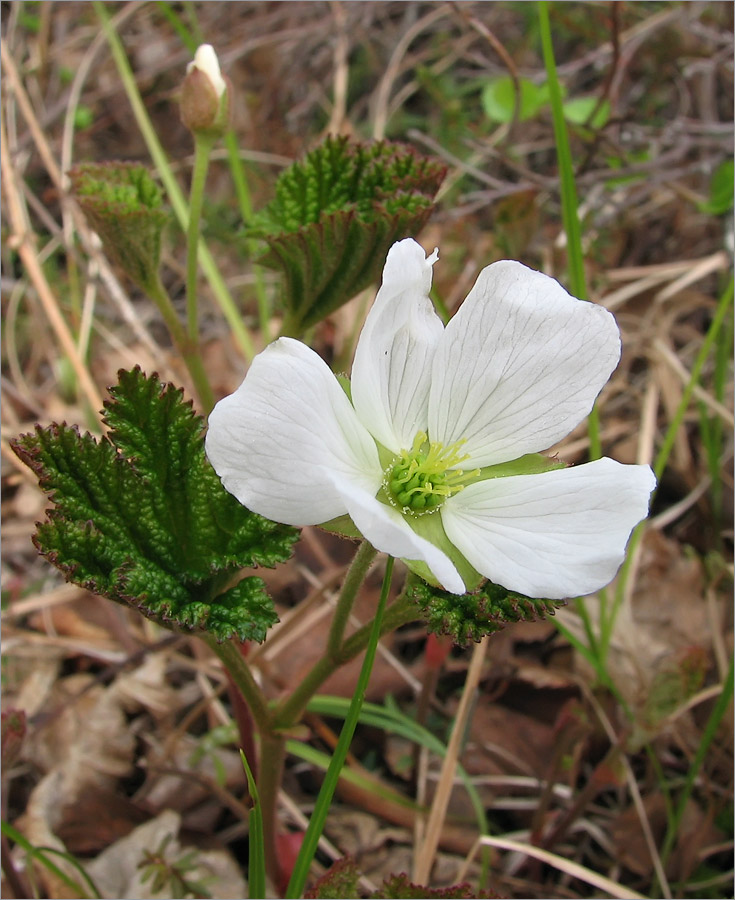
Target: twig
column 380, row 117
column 21, row 236
column 426, row 853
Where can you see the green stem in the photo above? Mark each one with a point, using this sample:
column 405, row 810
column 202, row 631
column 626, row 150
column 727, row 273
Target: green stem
column 353, row 580
column 272, row 746
column 569, row 205
column 575, row 255
column 399, row 613
column 291, row 326
column 239, row 670
column 202, row 151
column 175, row 195
column 569, row 202
column 324, row 800
column 189, row 349
column 270, row 776
column 174, row 20
column 289, row 710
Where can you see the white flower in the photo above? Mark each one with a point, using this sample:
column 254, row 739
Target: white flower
column 430, row 456
column 205, row 59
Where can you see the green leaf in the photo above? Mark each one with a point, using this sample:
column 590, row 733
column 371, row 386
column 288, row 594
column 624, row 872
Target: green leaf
column 720, row 190
column 579, row 110
column 499, row 99
column 256, row 855
column 142, row 518
column 83, row 117
column 469, row 617
column 40, row 855
column 336, row 214
column 124, row 205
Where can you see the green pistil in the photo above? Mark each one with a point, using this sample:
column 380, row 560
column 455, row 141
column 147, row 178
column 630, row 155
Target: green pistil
column 420, row 479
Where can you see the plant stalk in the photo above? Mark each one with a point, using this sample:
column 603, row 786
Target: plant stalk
column 175, row 195
column 202, row 151
column 270, row 776
column 189, row 349
column 353, row 580
column 240, row 672
column 321, row 809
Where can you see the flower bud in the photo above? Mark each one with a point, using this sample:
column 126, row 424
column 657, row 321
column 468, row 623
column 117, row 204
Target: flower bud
column 205, row 95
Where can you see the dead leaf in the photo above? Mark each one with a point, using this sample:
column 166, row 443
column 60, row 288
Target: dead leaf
column 117, row 871
column 627, row 834
column 84, row 746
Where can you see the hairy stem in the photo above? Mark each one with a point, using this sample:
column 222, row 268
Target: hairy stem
column 240, row 672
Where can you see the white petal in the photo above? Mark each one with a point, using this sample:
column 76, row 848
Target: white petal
column 392, row 367
column 519, row 365
column 388, row 531
column 279, row 440
column 557, row 534
column 205, row 59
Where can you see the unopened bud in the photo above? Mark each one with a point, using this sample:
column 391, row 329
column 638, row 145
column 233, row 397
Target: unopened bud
column 205, row 95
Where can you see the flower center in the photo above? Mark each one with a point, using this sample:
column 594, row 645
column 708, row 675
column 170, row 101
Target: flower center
column 419, row 480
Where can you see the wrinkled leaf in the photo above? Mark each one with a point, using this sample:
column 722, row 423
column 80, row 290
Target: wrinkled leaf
column 339, row 881
column 469, row 617
column 125, row 207
column 142, row 518
column 400, row 886
column 336, row 214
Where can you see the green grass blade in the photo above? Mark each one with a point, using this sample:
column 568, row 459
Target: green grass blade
column 713, row 432
column 256, row 855
column 709, row 734
column 324, row 800
column 396, row 722
column 40, row 854
column 569, row 204
column 575, row 257
column 662, row 457
column 174, row 19
column 321, row 760
column 723, row 308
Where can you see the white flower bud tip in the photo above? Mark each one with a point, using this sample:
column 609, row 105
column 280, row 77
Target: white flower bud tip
column 205, row 59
